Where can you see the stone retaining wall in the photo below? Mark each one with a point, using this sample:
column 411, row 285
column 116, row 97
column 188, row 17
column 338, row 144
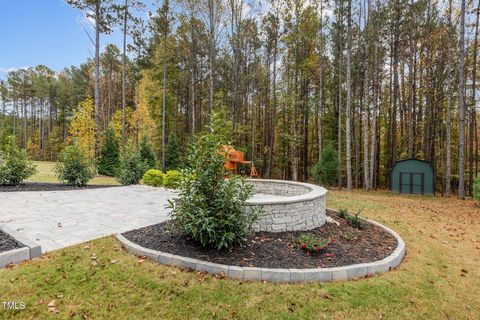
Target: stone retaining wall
column 301, row 208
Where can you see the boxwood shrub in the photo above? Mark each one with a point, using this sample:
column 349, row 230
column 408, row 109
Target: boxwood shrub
column 154, row 178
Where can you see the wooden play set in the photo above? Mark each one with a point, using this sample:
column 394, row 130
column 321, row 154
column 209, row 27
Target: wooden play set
column 234, row 158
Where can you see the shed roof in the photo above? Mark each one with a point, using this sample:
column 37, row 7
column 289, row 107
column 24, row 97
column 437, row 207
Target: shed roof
column 412, row 158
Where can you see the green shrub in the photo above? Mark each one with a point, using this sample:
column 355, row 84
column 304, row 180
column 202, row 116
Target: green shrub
column 326, row 170
column 132, row 168
column 154, row 178
column 172, row 179
column 109, row 161
column 210, row 209
column 14, row 165
column 73, row 167
column 342, row 213
column 352, row 220
column 147, row 155
column 311, row 244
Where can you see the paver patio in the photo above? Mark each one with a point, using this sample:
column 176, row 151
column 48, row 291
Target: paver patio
column 56, row 219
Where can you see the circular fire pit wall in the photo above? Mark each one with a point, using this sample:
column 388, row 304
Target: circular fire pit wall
column 288, row 205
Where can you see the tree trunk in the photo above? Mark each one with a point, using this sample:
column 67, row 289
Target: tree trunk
column 473, row 101
column 349, row 93
column 124, row 62
column 164, row 97
column 97, row 73
column 461, row 105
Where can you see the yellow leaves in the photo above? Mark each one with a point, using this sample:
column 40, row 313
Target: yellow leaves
column 116, row 123
column 82, row 127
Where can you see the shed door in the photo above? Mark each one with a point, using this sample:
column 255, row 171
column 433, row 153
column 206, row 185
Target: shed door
column 412, row 182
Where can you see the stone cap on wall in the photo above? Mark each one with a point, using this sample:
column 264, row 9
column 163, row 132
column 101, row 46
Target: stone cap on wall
column 312, row 192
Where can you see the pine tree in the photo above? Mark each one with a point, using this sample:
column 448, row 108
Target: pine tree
column 326, row 170
column 147, row 155
column 109, row 161
column 172, row 155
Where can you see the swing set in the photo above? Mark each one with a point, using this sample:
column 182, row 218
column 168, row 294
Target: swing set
column 234, row 158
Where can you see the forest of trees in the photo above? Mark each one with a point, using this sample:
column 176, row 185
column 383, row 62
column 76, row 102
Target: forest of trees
column 380, row 81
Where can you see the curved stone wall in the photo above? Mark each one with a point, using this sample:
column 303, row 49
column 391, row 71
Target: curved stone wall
column 293, row 205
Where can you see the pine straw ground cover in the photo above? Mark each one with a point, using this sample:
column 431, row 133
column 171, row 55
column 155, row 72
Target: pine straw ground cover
column 439, row 278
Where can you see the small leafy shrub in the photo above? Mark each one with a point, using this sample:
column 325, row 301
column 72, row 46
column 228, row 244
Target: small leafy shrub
column 352, row 220
column 132, row 167
column 154, row 178
column 350, row 236
column 342, row 213
column 311, row 244
column 210, row 209
column 172, row 179
column 326, row 170
column 73, row 166
column 109, row 161
column 14, row 165
column 147, row 155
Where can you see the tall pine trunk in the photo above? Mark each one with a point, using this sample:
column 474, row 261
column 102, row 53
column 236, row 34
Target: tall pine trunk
column 461, row 105
column 349, row 93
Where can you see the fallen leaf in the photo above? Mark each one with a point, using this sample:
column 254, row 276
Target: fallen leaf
column 51, row 306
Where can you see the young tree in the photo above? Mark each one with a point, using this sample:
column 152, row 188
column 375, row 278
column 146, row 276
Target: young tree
column 172, row 156
column 124, row 14
column 82, row 129
column 109, row 161
column 101, row 11
column 326, row 170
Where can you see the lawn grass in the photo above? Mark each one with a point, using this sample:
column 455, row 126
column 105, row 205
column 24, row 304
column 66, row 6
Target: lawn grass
column 442, row 238
column 45, row 173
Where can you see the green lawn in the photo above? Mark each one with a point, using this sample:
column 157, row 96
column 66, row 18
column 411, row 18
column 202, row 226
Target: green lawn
column 439, row 278
column 45, row 173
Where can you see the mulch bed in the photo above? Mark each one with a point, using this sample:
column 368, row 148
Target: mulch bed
column 36, row 186
column 278, row 250
column 8, row 243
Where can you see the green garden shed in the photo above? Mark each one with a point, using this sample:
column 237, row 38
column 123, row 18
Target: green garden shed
column 412, row 176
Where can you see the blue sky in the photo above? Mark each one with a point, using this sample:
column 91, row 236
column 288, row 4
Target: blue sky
column 45, row 32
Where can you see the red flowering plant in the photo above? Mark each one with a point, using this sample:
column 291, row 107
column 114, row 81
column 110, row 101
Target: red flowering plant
column 311, row 244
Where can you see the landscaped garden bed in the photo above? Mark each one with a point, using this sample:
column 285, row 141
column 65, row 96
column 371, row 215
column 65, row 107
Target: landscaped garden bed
column 38, row 186
column 344, row 246
column 7, row 242
column 15, row 247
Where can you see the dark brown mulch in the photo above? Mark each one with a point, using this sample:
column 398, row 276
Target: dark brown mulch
column 8, row 243
column 37, row 186
column 277, row 250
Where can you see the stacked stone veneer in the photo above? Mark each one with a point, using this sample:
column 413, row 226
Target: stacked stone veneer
column 302, row 206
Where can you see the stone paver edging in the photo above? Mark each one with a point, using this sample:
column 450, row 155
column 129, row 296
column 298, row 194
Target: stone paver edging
column 276, row 275
column 30, row 251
